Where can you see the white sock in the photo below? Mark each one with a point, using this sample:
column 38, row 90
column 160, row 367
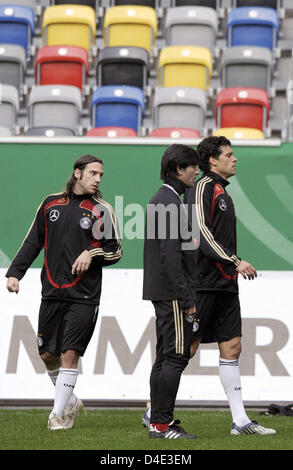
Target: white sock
column 53, row 374
column 65, row 384
column 230, row 377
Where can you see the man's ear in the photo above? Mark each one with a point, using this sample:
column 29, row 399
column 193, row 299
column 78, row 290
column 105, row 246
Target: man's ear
column 180, row 171
column 212, row 161
column 77, row 173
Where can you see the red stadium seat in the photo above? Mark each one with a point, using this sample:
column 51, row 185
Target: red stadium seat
column 243, row 107
column 62, row 65
column 109, row 131
column 175, row 133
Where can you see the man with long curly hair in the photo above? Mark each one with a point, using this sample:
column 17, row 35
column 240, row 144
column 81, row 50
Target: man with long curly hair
column 78, row 231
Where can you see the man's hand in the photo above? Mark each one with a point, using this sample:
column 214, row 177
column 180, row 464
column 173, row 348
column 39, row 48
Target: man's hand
column 13, row 285
column 82, row 263
column 246, row 269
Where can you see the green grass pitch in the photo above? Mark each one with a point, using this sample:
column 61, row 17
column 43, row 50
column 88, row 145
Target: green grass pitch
column 121, row 429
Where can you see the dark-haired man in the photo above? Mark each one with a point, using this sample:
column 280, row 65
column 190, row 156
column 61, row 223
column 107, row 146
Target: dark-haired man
column 169, row 284
column 218, row 266
column 79, row 234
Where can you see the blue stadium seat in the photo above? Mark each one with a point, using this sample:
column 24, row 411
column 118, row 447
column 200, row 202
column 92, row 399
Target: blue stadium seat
column 253, row 26
column 121, row 106
column 17, row 25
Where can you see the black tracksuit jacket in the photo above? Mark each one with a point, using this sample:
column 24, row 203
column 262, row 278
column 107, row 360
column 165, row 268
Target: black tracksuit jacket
column 63, row 227
column 169, row 269
column 216, row 258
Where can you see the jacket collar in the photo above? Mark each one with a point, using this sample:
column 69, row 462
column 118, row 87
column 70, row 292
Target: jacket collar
column 219, row 179
column 176, row 184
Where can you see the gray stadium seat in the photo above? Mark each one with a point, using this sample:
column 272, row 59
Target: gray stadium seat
column 55, row 105
column 25, row 3
column 9, row 106
column 123, row 66
column 12, row 65
column 50, row 132
column 209, row 3
column 5, row 131
column 246, row 66
column 179, row 107
column 192, row 26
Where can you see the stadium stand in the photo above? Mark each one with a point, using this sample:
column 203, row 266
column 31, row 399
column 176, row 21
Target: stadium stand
column 69, row 25
column 253, row 26
column 13, row 66
column 243, row 107
column 131, row 25
column 175, row 133
column 257, row 3
column 111, row 131
column 185, row 66
column 9, row 106
column 121, row 106
column 192, row 26
column 241, row 64
column 62, row 65
column 123, row 66
column 242, row 133
column 50, row 132
column 179, row 107
column 89, row 3
column 54, row 105
column 17, row 25
column 152, row 45
column 209, row 3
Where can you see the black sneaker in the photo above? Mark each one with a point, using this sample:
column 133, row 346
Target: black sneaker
column 173, row 431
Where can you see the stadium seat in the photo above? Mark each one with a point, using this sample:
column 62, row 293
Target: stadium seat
column 50, row 132
column 5, row 131
column 9, row 107
column 242, row 133
column 244, row 66
column 130, row 25
column 192, row 26
column 89, row 3
column 17, row 26
column 179, row 107
column 256, row 3
column 185, row 66
column 123, row 66
column 69, row 25
column 119, row 106
column 253, row 26
column 112, row 132
column 13, row 66
column 147, row 3
column 66, row 65
column 55, row 106
column 175, row 133
column 243, row 107
column 205, row 3
column 24, row 3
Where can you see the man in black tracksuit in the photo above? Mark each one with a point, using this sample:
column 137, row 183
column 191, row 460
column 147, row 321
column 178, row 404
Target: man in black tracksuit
column 169, row 283
column 217, row 269
column 78, row 231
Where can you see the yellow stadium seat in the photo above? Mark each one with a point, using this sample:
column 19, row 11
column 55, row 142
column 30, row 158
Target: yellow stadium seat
column 188, row 66
column 239, row 133
column 69, row 25
column 131, row 25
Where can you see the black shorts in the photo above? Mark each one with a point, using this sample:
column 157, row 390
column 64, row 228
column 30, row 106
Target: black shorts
column 220, row 316
column 65, row 325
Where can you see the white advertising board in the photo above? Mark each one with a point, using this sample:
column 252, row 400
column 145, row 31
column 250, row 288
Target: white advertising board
column 117, row 363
